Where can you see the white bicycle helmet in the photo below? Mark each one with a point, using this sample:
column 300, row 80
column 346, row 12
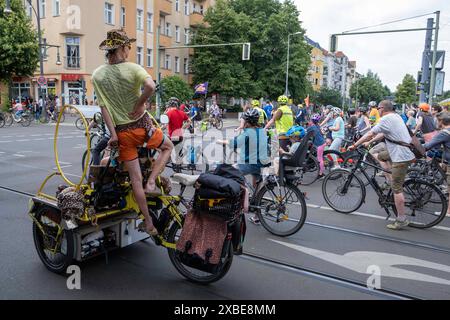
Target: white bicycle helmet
column 336, row 110
column 372, row 104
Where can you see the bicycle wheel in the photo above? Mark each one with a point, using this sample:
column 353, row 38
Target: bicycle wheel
column 26, row 121
column 79, row 124
column 8, row 119
column 218, row 124
column 281, row 209
column 194, row 275
column 425, row 204
column 2, row 121
column 309, row 173
column 95, row 139
column 343, row 191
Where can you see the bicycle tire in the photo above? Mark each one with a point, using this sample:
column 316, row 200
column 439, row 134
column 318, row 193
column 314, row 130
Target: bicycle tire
column 310, row 171
column 79, row 124
column 218, row 124
column 95, row 139
column 44, row 118
column 339, row 176
column 8, row 119
column 328, row 160
column 259, row 204
column 2, row 122
column 185, row 272
column 26, row 121
column 410, row 186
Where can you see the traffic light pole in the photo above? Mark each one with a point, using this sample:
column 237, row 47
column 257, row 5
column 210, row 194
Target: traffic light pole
column 333, row 46
column 433, row 63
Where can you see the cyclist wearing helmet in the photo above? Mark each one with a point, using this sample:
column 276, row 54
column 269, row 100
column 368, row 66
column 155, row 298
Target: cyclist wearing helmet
column 319, row 142
column 328, row 121
column 374, row 115
column 296, row 133
column 262, row 115
column 300, row 117
column 177, row 120
column 351, row 123
column 363, row 124
column 252, row 143
column 284, row 120
column 337, row 133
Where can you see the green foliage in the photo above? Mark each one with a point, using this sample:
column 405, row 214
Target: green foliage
column 369, row 88
column 174, row 86
column 327, row 96
column 19, row 48
column 406, row 91
column 266, row 25
column 445, row 96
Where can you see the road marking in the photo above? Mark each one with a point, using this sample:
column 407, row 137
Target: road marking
column 23, row 140
column 62, row 162
column 7, row 136
column 39, row 139
column 367, row 215
column 18, row 155
column 5, row 141
column 390, row 264
column 55, row 168
column 36, row 135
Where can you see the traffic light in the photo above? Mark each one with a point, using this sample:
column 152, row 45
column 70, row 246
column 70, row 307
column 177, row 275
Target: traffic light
column 246, row 51
column 333, row 43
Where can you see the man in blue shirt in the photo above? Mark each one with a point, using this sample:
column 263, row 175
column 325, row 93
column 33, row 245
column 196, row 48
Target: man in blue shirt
column 268, row 108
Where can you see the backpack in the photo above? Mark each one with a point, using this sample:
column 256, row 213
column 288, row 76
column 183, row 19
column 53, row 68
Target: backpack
column 204, row 242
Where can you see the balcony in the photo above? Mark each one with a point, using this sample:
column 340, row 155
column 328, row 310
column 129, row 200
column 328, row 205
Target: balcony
column 72, row 63
column 165, row 41
column 164, row 6
column 195, row 18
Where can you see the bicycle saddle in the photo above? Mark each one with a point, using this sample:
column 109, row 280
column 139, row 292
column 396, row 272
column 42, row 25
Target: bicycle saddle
column 185, row 179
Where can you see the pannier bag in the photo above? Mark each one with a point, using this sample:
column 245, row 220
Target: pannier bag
column 203, row 243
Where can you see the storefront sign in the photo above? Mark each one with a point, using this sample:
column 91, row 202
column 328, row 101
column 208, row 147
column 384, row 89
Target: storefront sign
column 70, row 77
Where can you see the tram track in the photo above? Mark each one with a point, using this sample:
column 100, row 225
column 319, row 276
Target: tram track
column 341, row 281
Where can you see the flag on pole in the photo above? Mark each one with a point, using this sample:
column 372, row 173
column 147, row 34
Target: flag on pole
column 307, row 101
column 201, row 88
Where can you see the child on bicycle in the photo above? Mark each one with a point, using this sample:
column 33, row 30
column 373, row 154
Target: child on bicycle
column 296, row 133
column 319, row 142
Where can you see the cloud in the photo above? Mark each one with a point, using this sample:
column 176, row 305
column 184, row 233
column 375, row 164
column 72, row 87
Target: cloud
column 390, row 55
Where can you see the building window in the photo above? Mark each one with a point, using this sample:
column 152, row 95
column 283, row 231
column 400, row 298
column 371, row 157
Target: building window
column 20, row 90
column 29, row 9
column 122, row 16
column 56, row 8
column 139, row 55
column 168, row 31
column 177, row 5
column 72, row 59
column 167, row 62
column 177, row 64
column 186, row 7
column 177, row 33
column 201, row 9
column 186, row 66
column 150, row 58
column 43, row 7
column 139, row 22
column 186, row 36
column 109, row 13
column 149, row 22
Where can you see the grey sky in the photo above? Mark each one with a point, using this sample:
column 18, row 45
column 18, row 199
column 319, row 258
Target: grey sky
column 389, row 55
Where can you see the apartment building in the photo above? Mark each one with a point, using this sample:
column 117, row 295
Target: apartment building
column 316, row 68
column 78, row 27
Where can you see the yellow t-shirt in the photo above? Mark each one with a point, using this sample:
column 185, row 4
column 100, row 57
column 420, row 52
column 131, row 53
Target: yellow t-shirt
column 118, row 88
column 374, row 113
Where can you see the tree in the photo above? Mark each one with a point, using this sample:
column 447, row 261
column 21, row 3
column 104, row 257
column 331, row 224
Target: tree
column 327, row 96
column 19, row 49
column 369, row 88
column 445, row 95
column 266, row 25
column 406, row 91
column 174, row 86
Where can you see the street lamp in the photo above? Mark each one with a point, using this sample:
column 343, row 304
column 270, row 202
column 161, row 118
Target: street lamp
column 287, row 62
column 8, row 10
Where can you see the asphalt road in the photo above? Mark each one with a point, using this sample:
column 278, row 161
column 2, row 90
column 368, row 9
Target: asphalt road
column 414, row 262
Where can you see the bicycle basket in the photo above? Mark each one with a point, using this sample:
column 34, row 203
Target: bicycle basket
column 226, row 208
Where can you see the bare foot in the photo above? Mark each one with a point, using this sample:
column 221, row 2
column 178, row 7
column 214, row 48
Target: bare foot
column 151, row 229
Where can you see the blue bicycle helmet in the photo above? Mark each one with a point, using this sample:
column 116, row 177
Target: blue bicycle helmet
column 297, row 131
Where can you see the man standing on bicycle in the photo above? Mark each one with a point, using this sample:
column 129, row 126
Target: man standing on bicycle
column 393, row 128
column 118, row 87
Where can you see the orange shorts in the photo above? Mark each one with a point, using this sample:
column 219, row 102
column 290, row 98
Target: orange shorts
column 130, row 140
